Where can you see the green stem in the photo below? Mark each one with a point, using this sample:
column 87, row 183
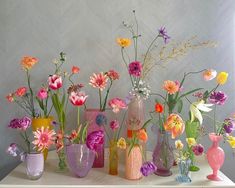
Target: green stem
column 78, row 118
column 100, row 99
column 25, row 109
column 215, row 129
column 106, row 96
column 31, row 93
column 126, row 66
column 119, row 131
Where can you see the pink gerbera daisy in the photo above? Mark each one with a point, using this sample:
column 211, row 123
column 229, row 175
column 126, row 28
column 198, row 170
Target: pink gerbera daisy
column 43, row 138
column 99, row 81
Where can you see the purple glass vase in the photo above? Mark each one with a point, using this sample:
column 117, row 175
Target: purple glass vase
column 163, row 156
column 97, row 120
column 80, row 159
column 34, row 165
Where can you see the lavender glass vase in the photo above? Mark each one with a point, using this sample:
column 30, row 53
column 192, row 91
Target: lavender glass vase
column 80, row 159
column 34, row 165
column 97, row 120
column 163, row 156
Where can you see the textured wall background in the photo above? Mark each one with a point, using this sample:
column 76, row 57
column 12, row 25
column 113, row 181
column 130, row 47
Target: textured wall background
column 86, row 30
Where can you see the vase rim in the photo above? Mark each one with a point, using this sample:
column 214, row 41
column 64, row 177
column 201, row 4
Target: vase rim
column 94, row 109
column 215, row 135
column 34, row 153
column 40, row 118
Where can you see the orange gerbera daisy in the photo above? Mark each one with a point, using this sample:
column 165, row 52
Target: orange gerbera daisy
column 142, row 135
column 175, row 125
column 99, row 81
column 28, row 62
column 171, row 87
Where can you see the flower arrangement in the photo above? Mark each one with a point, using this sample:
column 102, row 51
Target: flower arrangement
column 100, row 82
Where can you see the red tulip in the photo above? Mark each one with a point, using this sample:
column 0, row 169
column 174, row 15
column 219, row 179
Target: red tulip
column 55, row 82
column 77, row 98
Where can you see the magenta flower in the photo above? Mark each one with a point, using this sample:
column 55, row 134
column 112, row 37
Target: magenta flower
column 21, row 124
column 148, row 168
column 114, row 125
column 163, row 33
column 218, row 98
column 12, row 149
column 198, row 149
column 94, row 139
column 135, row 68
column 42, row 94
column 229, row 125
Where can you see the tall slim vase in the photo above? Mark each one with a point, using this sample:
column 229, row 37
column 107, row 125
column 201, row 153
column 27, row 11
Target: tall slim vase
column 97, row 120
column 163, row 156
column 215, row 156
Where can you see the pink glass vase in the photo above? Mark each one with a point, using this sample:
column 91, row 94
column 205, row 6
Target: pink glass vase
column 97, row 120
column 215, row 156
column 135, row 117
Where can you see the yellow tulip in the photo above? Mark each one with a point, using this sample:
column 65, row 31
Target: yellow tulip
column 191, row 142
column 121, row 143
column 231, row 141
column 124, row 42
column 222, row 78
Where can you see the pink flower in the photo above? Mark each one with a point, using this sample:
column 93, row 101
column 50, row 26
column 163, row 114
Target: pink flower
column 209, row 74
column 113, row 75
column 43, row 138
column 99, row 81
column 114, row 125
column 135, row 68
column 42, row 94
column 116, row 104
column 55, row 82
column 21, row 91
column 10, row 97
column 77, row 98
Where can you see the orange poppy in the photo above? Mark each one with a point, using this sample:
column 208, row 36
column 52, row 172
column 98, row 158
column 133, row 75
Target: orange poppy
column 159, row 108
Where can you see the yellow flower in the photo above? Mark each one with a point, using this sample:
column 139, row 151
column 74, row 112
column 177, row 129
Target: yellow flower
column 124, row 42
column 121, row 143
column 222, row 78
column 191, row 142
column 179, row 145
column 231, row 141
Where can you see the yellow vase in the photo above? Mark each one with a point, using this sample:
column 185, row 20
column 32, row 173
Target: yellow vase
column 38, row 123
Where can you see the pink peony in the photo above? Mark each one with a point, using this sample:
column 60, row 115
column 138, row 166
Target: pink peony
column 116, row 104
column 42, row 94
column 77, row 98
column 198, row 149
column 135, row 68
column 55, row 82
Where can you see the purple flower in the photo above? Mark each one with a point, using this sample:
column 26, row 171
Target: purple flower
column 94, row 139
column 198, row 149
column 229, row 125
column 135, row 68
column 21, row 124
column 101, row 120
column 114, row 125
column 218, row 97
column 163, row 33
column 148, row 168
column 12, row 150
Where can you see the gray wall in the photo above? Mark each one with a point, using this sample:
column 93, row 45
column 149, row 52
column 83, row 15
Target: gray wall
column 86, row 30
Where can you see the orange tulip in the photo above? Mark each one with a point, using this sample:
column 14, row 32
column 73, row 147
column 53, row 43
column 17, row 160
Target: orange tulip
column 142, row 135
column 175, row 125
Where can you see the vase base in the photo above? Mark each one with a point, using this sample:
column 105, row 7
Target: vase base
column 214, row 178
column 183, row 179
column 163, row 173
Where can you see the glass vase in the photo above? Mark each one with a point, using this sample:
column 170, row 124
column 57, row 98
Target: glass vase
column 38, row 123
column 215, row 156
column 34, row 165
column 133, row 163
column 113, row 158
column 163, row 156
column 184, row 174
column 80, row 159
column 97, row 120
column 62, row 166
column 192, row 131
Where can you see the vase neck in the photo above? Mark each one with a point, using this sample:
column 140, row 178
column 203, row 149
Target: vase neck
column 215, row 143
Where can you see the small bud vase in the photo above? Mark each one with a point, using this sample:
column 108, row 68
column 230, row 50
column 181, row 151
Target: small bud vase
column 184, row 166
column 215, row 156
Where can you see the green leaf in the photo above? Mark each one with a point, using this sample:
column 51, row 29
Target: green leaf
column 131, row 147
column 146, row 123
column 180, row 106
column 84, row 133
column 190, row 92
column 63, row 101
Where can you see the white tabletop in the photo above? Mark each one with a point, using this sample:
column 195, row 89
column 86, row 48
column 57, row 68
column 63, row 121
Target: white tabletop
column 101, row 178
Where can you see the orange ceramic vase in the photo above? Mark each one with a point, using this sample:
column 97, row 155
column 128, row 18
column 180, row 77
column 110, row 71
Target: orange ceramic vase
column 37, row 123
column 133, row 163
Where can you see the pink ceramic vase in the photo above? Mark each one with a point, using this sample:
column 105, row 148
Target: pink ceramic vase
column 215, row 156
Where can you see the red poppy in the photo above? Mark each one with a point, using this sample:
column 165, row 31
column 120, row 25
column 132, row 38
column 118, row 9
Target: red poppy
column 159, row 108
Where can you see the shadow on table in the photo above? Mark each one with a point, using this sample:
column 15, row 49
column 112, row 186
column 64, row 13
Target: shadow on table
column 18, row 174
